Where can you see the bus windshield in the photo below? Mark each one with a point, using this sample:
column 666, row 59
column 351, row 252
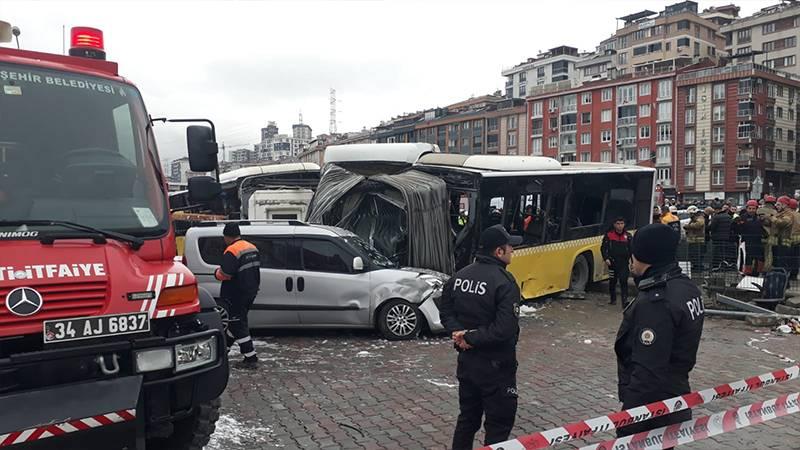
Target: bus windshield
column 77, row 148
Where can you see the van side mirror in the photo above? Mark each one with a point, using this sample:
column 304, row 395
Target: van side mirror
column 203, row 189
column 202, row 148
column 358, row 264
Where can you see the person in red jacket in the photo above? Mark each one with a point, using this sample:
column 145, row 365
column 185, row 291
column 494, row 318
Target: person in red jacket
column 616, row 253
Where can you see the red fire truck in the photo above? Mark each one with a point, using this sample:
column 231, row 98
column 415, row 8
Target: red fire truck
column 105, row 340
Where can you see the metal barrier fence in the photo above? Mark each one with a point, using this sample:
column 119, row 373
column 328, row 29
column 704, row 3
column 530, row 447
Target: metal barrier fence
column 729, row 267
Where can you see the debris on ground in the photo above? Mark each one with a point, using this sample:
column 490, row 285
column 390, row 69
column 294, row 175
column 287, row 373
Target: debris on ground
column 528, row 311
column 790, row 326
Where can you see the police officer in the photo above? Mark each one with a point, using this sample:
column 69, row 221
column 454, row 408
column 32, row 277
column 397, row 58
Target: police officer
column 657, row 342
column 240, row 275
column 616, row 252
column 480, row 307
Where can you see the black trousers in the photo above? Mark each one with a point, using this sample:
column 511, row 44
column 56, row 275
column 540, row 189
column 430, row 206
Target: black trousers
column 238, row 326
column 782, row 257
column 652, row 424
column 619, row 274
column 723, row 251
column 795, row 262
column 485, row 387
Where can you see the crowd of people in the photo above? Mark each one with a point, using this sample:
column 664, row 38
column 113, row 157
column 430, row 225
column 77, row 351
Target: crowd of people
column 762, row 236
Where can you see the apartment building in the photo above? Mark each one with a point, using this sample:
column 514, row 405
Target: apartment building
column 674, row 38
column 736, row 124
column 628, row 121
column 768, row 37
column 552, row 66
column 488, row 125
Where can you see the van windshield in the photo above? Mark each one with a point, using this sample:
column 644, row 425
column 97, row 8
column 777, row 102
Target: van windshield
column 74, row 147
column 374, row 256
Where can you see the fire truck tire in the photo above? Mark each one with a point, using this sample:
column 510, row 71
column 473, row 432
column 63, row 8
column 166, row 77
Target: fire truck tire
column 193, row 432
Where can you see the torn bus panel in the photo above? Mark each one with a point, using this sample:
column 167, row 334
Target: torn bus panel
column 403, row 215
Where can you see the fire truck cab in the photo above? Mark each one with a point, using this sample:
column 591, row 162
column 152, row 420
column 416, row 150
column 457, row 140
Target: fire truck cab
column 105, row 340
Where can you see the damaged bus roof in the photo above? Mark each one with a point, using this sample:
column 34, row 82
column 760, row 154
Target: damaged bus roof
column 510, row 165
column 398, row 153
column 234, row 175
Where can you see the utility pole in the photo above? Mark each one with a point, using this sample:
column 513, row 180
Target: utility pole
column 332, row 124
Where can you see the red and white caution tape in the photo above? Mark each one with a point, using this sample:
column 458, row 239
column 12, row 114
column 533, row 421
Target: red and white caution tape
column 583, row 429
column 704, row 427
column 58, row 429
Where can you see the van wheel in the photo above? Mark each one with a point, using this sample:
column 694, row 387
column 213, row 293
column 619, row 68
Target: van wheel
column 399, row 320
column 223, row 308
column 580, row 274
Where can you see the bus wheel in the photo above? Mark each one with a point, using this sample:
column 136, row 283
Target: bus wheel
column 580, row 274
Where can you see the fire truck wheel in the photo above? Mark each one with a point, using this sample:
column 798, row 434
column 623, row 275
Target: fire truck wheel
column 193, row 432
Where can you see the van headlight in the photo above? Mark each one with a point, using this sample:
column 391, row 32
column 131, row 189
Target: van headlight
column 195, row 354
column 154, row 359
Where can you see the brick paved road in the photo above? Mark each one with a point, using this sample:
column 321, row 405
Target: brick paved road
column 354, row 390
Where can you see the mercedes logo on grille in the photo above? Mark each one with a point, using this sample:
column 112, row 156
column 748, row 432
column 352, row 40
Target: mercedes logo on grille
column 24, row 301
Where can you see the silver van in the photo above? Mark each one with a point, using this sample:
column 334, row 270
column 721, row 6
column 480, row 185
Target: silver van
column 323, row 277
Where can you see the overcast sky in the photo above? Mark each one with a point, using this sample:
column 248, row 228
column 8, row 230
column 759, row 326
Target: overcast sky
column 243, row 63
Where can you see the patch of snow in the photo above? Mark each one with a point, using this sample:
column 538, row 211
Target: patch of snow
column 441, row 383
column 230, row 432
column 527, row 311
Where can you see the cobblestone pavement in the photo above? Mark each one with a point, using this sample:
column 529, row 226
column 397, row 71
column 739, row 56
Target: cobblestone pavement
column 353, row 390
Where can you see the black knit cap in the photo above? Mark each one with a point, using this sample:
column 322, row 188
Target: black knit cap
column 496, row 236
column 655, row 244
column 231, row 230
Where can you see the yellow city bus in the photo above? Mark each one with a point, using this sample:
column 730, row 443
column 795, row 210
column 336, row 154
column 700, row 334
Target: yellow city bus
column 569, row 205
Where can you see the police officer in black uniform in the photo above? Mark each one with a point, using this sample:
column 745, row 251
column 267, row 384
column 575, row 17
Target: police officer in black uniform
column 657, row 342
column 480, row 307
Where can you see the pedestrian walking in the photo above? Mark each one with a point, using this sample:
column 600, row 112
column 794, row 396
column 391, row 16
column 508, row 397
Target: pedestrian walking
column 720, row 231
column 615, row 249
column 241, row 276
column 750, row 228
column 657, row 342
column 696, row 238
column 480, row 308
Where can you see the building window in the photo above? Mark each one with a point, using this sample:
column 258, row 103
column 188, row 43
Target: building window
column 644, row 89
column 790, row 42
column 664, row 132
column 683, row 42
column 779, row 134
column 536, row 146
column 511, row 122
column 691, row 95
column 719, row 112
column 536, row 109
column 689, row 158
column 689, row 181
column 768, row 28
column 719, row 91
column 465, row 125
column 491, row 123
column 644, row 154
column 605, row 156
column 664, row 89
column 639, row 50
column 790, row 135
column 690, row 115
column 512, row 139
column 664, row 111
column 683, row 24
column 718, row 155
column 664, row 176
column 605, row 116
column 477, row 124
column 451, row 144
column 586, row 98
column 586, row 157
column 605, row 136
column 586, row 138
column 644, row 110
column 718, row 134
column 622, row 58
column 644, row 132
column 743, row 36
column 663, row 154
column 789, row 156
column 718, row 177
column 626, row 94
column 778, row 155
column 540, row 72
column 607, row 94
column 743, row 50
column 779, row 112
column 689, row 136
column 586, row 117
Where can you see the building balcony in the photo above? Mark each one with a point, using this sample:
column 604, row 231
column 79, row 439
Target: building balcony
column 745, row 113
column 664, row 140
column 509, row 84
column 570, row 127
column 567, row 148
column 626, row 121
column 664, row 161
column 744, row 156
column 626, row 142
column 743, row 179
column 537, row 132
column 537, row 115
column 569, row 108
